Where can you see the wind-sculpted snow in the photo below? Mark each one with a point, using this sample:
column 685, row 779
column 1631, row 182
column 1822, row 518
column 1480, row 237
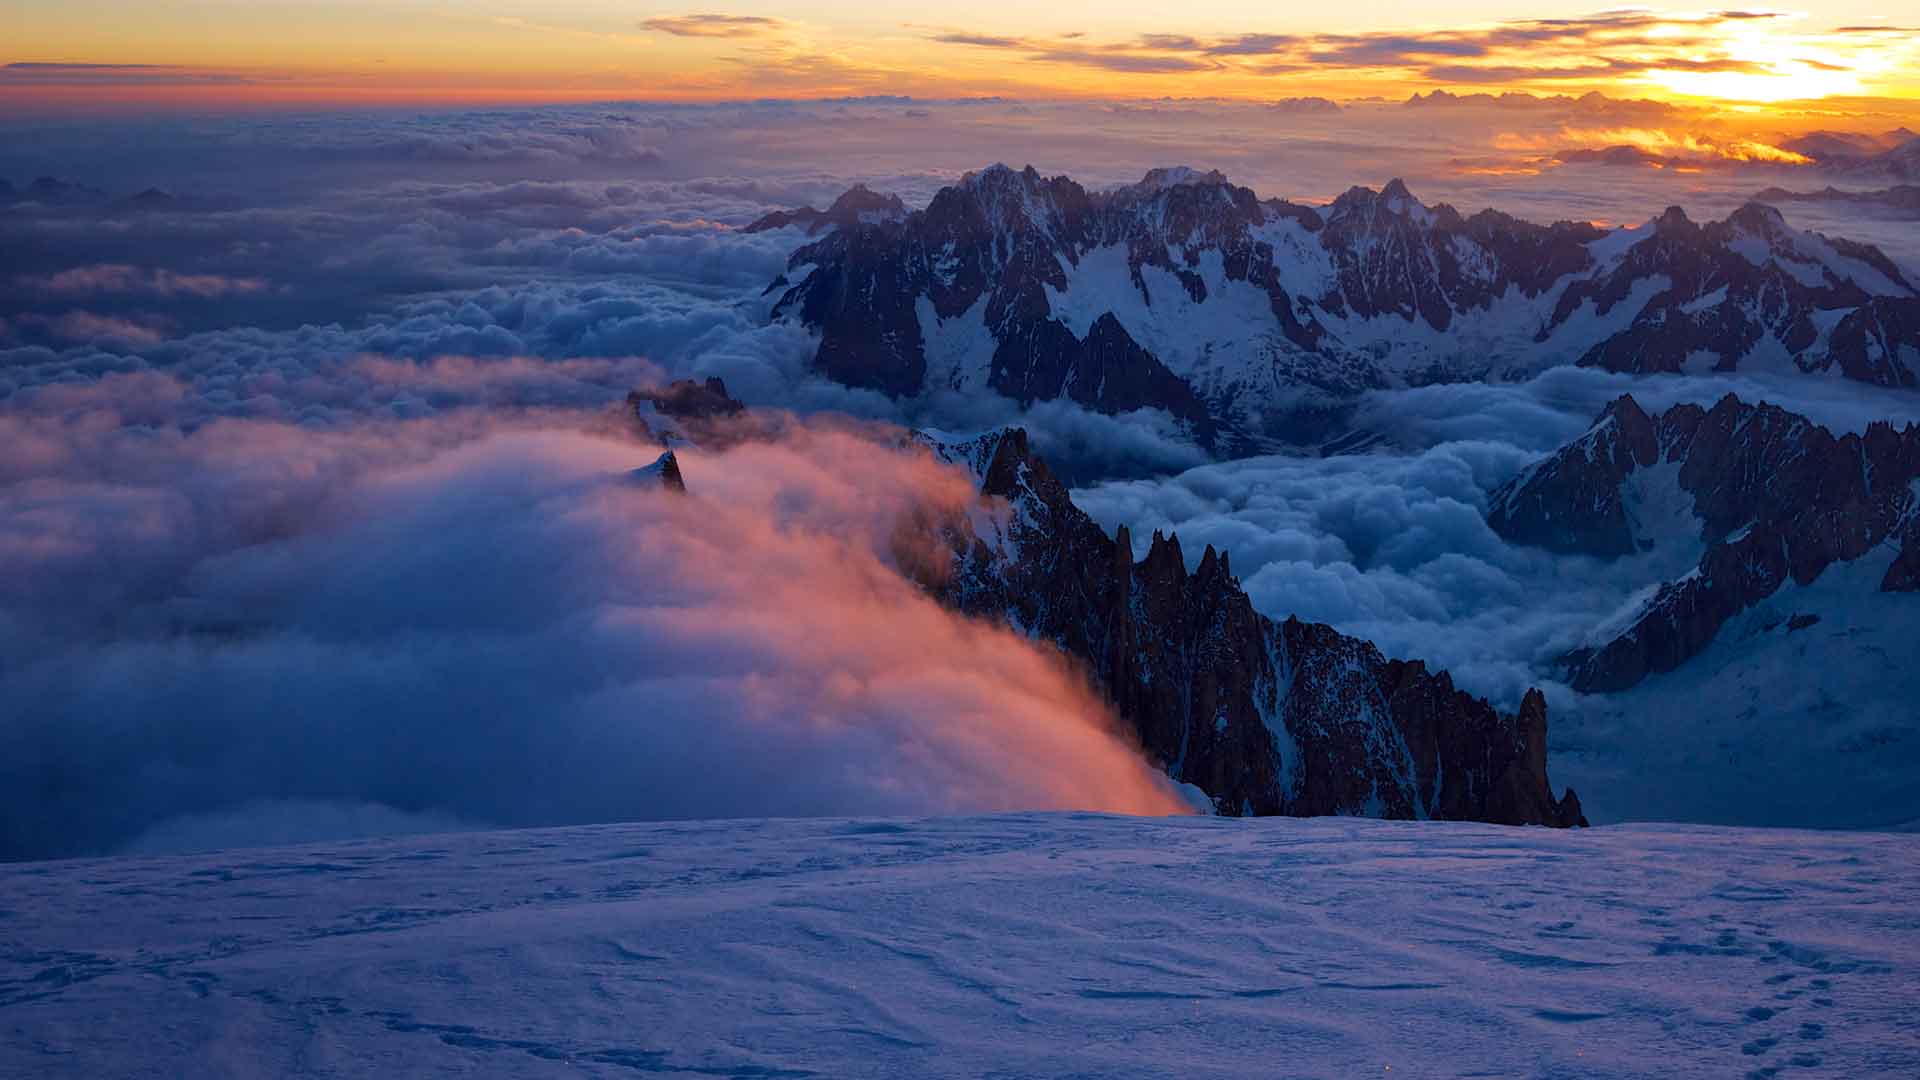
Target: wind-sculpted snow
column 1026, row 945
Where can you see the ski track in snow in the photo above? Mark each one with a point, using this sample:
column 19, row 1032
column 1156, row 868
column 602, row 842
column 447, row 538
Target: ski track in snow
column 1013, row 945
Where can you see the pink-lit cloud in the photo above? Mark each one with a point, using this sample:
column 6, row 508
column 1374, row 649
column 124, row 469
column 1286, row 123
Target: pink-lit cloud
column 480, row 616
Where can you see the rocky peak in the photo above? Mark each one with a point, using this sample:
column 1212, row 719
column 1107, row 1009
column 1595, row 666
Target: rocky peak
column 1018, row 202
column 1164, row 562
column 1574, row 501
column 1267, row 718
column 1364, row 205
column 663, row 473
column 860, row 200
column 1160, row 179
column 1673, row 222
column 858, row 205
column 685, row 411
column 1760, row 220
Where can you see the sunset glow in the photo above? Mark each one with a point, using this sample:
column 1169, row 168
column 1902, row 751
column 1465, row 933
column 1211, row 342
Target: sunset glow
column 400, row 51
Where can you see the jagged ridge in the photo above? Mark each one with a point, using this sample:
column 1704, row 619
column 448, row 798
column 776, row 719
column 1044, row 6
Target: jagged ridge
column 1266, row 717
column 1237, row 315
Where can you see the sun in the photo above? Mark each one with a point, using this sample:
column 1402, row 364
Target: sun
column 1764, row 67
column 1792, row 80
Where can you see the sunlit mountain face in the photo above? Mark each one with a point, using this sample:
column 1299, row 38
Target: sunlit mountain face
column 824, row 500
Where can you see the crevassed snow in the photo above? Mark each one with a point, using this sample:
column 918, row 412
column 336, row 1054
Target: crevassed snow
column 1018, row 945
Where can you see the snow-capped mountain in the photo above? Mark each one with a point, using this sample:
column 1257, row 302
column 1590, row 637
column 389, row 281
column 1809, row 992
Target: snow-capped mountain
column 1774, row 498
column 1893, row 156
column 1242, row 316
column 1847, row 147
column 1266, row 717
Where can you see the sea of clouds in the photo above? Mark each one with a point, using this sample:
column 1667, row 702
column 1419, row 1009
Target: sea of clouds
column 312, row 510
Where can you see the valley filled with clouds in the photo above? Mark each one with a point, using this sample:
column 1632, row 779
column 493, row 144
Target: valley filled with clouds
column 278, row 390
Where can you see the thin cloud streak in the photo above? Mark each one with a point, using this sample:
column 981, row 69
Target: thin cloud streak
column 713, row 26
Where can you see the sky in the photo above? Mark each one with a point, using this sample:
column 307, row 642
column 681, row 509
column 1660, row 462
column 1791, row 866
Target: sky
column 225, row 53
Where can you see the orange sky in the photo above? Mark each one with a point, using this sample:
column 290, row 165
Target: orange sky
column 224, row 52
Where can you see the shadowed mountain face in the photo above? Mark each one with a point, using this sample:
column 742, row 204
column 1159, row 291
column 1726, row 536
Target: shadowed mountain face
column 1240, row 316
column 1775, row 497
column 1266, row 717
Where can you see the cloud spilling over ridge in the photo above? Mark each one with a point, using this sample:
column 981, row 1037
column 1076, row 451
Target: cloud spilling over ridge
column 476, row 620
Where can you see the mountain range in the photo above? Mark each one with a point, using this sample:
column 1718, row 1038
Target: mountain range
column 1887, row 155
column 1253, row 321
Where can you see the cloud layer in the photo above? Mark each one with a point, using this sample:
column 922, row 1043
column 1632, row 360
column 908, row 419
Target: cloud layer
column 310, row 510
column 484, row 621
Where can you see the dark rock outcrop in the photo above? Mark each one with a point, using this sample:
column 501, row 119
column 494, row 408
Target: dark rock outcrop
column 663, row 473
column 685, row 411
column 1266, row 717
column 1778, row 499
column 1904, row 574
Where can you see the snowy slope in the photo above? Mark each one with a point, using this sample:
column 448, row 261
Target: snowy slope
column 1024, row 945
column 1802, row 711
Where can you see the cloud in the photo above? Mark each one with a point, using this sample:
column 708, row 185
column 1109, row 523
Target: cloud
column 83, row 74
column 89, row 326
column 983, row 41
column 1117, row 61
column 1251, row 45
column 122, row 278
column 1601, row 48
column 480, row 619
column 714, row 26
column 26, row 65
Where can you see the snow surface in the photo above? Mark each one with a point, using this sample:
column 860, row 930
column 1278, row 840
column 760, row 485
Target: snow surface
column 1015, row 945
